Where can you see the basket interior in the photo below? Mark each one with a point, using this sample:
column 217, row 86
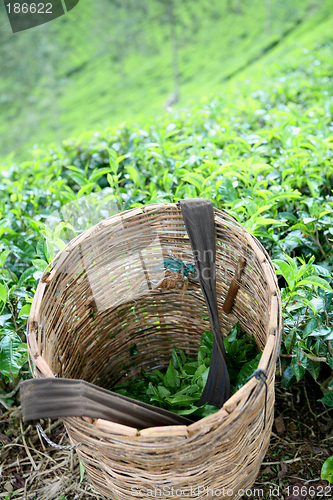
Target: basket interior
column 106, row 311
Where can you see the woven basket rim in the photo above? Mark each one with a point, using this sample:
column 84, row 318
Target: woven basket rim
column 236, row 402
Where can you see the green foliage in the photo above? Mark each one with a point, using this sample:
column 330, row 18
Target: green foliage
column 82, row 471
column 111, row 61
column 242, row 357
column 328, row 399
column 13, row 354
column 262, row 152
column 327, row 470
column 307, row 310
column 179, row 387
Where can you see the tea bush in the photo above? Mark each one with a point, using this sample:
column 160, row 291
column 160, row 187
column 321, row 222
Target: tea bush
column 262, row 152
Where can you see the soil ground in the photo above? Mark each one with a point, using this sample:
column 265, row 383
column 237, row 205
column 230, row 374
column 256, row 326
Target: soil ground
column 301, row 440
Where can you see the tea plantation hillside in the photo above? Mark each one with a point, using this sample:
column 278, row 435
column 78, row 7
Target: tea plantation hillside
column 262, row 150
column 106, row 61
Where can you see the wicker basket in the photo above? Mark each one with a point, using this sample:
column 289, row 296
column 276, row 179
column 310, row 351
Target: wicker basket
column 102, row 296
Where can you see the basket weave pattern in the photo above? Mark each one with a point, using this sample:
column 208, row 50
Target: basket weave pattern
column 101, row 296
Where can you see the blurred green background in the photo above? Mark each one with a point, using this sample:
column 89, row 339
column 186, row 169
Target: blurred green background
column 111, row 61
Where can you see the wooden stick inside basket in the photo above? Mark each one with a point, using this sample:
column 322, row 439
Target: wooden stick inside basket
column 233, row 289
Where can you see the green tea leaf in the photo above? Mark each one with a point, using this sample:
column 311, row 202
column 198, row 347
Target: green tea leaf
column 288, row 378
column 82, row 470
column 3, row 293
column 327, row 470
column 183, row 400
column 327, row 399
column 190, row 368
column 4, row 318
column 310, row 326
column 313, row 368
column 299, row 364
column 315, row 280
column 202, row 353
column 171, row 378
column 182, row 355
column 287, row 272
column 40, row 264
column 232, row 335
column 3, row 257
column 207, row 339
column 13, row 355
column 322, row 331
column 247, row 371
column 174, row 358
column 24, row 312
column 289, row 341
column 27, row 275
column 163, row 391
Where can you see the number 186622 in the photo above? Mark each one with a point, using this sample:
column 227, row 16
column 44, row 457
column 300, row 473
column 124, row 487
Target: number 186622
column 312, row 491
column 31, row 8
